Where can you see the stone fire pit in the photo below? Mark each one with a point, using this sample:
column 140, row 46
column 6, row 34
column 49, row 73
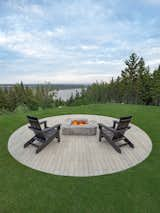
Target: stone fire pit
column 79, row 127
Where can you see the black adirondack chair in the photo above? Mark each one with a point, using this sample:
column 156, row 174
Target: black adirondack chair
column 116, row 133
column 43, row 136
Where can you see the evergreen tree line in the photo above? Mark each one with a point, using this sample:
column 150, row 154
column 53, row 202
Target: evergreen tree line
column 136, row 85
column 24, row 98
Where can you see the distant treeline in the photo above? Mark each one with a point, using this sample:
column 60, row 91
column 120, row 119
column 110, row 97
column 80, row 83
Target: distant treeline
column 136, row 85
column 20, row 97
column 30, row 96
column 49, row 85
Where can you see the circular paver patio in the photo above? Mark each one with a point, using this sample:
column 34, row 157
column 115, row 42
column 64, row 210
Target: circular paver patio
column 80, row 155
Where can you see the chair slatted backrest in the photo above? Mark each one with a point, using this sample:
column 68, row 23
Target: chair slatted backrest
column 122, row 126
column 124, row 123
column 35, row 126
column 34, row 122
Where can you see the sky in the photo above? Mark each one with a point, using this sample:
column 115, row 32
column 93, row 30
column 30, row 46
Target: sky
column 75, row 41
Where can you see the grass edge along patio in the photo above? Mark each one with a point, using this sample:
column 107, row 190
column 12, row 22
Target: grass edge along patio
column 135, row 182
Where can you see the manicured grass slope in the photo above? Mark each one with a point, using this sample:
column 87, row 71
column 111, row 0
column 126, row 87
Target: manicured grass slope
column 135, row 190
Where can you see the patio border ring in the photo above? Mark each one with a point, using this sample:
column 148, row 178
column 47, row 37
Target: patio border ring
column 80, row 155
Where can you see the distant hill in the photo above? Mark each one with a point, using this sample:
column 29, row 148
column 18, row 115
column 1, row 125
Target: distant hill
column 53, row 86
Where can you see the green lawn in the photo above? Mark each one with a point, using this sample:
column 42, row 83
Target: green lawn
column 135, row 190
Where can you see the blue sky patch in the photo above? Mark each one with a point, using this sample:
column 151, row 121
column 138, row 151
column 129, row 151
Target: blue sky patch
column 72, row 41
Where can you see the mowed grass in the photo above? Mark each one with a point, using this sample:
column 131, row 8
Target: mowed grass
column 136, row 190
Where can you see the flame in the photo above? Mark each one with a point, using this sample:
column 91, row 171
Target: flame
column 78, row 122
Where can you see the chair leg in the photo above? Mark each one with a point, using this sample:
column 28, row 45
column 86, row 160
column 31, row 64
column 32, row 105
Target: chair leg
column 45, row 143
column 114, row 146
column 129, row 142
column 100, row 136
column 42, row 146
column 58, row 136
column 29, row 142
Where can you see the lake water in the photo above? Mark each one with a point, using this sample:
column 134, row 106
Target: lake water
column 65, row 94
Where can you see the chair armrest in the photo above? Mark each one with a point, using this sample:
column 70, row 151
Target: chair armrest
column 44, row 122
column 35, row 129
column 57, row 126
column 114, row 123
column 100, row 125
column 106, row 127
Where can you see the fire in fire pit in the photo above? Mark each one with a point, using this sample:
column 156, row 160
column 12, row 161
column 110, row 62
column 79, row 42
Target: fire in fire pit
column 79, row 126
column 79, row 122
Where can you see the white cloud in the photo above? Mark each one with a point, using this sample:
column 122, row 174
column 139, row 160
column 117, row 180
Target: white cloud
column 3, row 40
column 154, row 62
column 99, row 62
column 152, row 1
column 89, row 47
column 76, row 41
column 57, row 32
column 27, row 43
column 26, row 8
column 67, row 77
column 14, row 37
